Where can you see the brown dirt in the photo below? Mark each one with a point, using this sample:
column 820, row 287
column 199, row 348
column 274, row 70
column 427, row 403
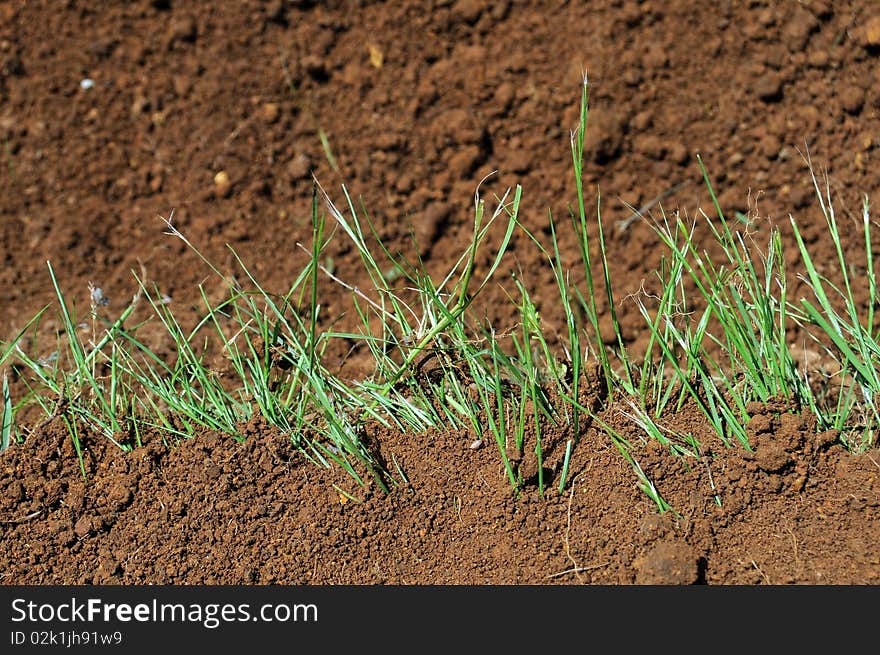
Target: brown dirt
column 418, row 103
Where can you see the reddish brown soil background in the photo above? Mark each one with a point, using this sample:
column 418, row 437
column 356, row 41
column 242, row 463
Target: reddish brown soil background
column 419, row 101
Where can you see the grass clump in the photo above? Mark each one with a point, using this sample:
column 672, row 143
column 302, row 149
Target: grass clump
column 719, row 338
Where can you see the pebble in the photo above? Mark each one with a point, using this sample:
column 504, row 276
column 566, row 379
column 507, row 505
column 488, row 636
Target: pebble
column 139, row 105
column 643, row 120
column 182, row 85
column 652, row 146
column 464, row 161
column 818, row 58
column 679, row 153
column 183, row 29
column 222, row 184
column 270, row 112
column 468, row 11
column 797, row 31
column 868, row 34
column 852, row 98
column 655, row 57
column 504, row 96
column 769, row 88
column 770, row 146
column 299, row 167
column 802, row 197
column 458, row 126
column 632, row 76
column 83, row 526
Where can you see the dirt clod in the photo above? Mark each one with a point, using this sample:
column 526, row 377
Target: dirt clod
column 868, row 33
column 771, row 456
column 668, row 563
column 769, row 88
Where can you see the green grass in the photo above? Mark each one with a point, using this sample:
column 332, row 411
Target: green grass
column 718, row 341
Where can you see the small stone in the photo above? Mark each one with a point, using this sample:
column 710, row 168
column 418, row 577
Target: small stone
column 107, row 568
column 270, row 112
column 769, row 88
column 655, row 57
column 643, row 120
column 678, row 153
column 184, row 29
column 798, row 30
column 770, row 146
column 299, row 167
column 83, row 526
column 140, row 105
column 652, row 146
column 776, row 56
column 822, row 9
column 476, row 445
column 499, row 9
column 276, row 12
column 222, row 184
column 868, row 33
column 504, row 96
column 818, row 58
column 802, row 197
column 468, row 11
column 464, row 161
column 377, row 57
column 852, row 99
column 632, row 76
column 182, row 85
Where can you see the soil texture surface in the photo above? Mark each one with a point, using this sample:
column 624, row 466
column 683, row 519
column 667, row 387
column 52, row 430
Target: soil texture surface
column 218, row 115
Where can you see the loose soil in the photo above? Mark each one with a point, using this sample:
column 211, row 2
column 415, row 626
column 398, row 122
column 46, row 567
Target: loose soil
column 111, row 117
